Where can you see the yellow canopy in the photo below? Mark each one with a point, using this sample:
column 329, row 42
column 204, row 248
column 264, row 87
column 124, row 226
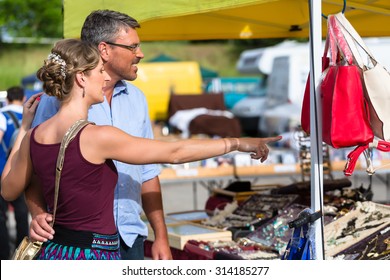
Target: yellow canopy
column 229, row 19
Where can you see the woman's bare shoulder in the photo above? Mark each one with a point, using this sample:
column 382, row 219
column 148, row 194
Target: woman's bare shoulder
column 102, row 132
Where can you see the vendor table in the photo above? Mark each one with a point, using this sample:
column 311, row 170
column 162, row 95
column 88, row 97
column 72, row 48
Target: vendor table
column 211, row 178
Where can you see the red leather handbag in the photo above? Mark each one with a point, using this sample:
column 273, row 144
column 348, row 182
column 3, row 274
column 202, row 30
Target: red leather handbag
column 345, row 119
column 305, row 113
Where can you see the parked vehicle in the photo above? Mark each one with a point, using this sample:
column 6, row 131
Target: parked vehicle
column 246, row 109
column 158, row 80
column 234, row 89
column 286, row 66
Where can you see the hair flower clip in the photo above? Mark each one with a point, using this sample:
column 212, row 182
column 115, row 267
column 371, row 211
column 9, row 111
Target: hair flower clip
column 55, row 57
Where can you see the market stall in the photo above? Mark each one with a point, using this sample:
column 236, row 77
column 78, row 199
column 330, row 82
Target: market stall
column 249, row 19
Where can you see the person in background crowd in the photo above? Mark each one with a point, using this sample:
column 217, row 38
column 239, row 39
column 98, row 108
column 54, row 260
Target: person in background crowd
column 74, row 73
column 10, row 118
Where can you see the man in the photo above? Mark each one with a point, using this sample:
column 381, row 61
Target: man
column 10, row 117
column 124, row 107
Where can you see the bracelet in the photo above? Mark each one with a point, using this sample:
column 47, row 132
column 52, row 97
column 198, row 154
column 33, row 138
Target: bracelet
column 237, row 143
column 229, row 146
column 226, row 146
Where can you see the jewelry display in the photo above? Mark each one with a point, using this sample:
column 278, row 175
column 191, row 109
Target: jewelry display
column 251, row 213
column 264, row 206
column 374, row 247
column 275, row 233
column 242, row 249
column 368, row 219
column 305, row 156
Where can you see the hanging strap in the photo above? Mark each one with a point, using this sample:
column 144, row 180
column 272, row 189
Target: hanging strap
column 353, row 38
column 15, row 120
column 68, row 137
column 341, row 40
column 331, row 45
column 353, row 156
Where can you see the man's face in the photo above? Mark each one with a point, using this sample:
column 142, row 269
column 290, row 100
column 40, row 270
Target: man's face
column 123, row 55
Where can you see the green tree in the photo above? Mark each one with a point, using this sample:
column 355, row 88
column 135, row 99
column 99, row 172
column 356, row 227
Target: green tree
column 32, row 18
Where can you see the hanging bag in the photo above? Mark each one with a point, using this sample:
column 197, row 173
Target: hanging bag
column 375, row 77
column 301, row 245
column 345, row 121
column 305, row 113
column 376, row 86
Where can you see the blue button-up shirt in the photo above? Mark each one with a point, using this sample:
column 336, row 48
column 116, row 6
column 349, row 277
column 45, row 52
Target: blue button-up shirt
column 128, row 112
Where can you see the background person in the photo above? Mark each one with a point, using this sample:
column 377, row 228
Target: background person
column 10, row 118
column 74, row 73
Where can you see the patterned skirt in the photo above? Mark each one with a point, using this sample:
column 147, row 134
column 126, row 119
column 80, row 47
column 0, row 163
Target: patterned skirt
column 80, row 245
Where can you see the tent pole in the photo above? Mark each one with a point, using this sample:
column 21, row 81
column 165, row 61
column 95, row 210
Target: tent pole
column 316, row 175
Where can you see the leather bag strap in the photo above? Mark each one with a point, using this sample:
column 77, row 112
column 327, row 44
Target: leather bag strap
column 68, row 137
column 340, row 40
column 352, row 37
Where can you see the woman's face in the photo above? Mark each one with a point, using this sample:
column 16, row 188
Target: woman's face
column 97, row 80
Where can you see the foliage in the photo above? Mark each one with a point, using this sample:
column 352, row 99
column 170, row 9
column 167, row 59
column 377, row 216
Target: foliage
column 18, row 61
column 32, row 18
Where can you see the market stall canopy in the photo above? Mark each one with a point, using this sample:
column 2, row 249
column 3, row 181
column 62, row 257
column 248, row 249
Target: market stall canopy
column 229, row 19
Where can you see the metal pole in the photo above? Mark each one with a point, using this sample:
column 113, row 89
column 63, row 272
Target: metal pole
column 316, row 122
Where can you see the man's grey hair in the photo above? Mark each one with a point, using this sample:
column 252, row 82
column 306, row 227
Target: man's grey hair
column 104, row 25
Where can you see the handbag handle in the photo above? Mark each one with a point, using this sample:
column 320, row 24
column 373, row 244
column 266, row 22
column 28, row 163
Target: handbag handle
column 335, row 42
column 340, row 40
column 352, row 37
column 68, row 137
column 330, row 45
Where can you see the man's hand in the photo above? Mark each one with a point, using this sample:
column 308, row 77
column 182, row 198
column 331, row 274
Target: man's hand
column 40, row 229
column 153, row 208
column 160, row 250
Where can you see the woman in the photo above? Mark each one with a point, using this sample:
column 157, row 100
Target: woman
column 74, row 73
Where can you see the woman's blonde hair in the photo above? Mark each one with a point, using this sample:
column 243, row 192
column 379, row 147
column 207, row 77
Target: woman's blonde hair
column 67, row 58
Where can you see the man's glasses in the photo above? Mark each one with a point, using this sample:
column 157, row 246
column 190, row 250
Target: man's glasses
column 133, row 47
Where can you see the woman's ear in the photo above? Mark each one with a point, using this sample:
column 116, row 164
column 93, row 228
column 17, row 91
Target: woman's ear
column 80, row 79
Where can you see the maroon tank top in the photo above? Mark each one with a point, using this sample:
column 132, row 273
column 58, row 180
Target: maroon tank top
column 86, row 192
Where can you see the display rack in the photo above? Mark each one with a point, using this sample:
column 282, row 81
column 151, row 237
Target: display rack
column 214, row 177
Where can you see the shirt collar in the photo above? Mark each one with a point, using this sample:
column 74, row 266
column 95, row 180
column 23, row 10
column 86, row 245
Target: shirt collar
column 120, row 87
